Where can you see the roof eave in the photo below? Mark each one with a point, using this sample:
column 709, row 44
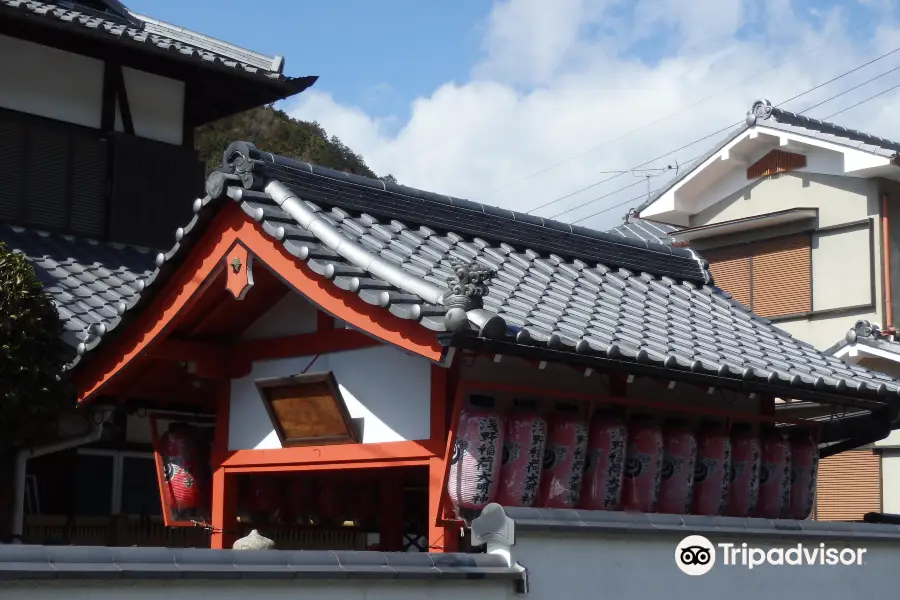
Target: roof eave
column 889, row 402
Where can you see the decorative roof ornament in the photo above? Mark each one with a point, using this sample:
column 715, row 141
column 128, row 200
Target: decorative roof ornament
column 466, row 292
column 254, row 541
column 468, row 285
column 761, row 110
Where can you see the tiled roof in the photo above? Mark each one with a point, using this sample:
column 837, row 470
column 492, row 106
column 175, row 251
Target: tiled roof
column 791, row 123
column 642, row 229
column 153, row 34
column 554, row 287
column 868, row 334
column 92, row 283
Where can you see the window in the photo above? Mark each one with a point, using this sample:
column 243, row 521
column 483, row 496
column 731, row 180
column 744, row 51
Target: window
column 772, row 277
column 112, row 482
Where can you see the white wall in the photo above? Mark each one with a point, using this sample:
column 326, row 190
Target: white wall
column 632, row 567
column 292, row 315
column 68, row 87
column 890, row 480
column 50, row 83
column 389, row 389
column 157, row 106
column 242, row 590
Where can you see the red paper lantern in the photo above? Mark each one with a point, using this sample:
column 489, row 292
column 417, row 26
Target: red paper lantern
column 804, row 470
column 296, row 499
column 185, row 466
column 712, row 470
column 475, row 464
column 676, row 489
column 643, row 465
column 743, row 489
column 523, row 456
column 564, row 459
column 774, row 475
column 605, row 464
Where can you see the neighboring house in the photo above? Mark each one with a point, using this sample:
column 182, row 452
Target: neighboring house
column 794, row 217
column 97, row 112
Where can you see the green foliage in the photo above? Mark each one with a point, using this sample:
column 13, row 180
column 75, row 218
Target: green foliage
column 274, row 131
column 32, row 354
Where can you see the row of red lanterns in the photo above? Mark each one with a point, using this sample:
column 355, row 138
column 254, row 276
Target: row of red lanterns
column 609, row 463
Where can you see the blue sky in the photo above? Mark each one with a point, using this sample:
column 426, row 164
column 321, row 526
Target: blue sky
column 537, row 104
column 378, row 55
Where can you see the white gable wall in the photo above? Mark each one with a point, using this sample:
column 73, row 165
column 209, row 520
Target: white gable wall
column 387, row 388
column 51, row 83
column 292, row 315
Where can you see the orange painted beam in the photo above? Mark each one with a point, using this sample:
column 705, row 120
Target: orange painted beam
column 336, row 455
column 294, row 468
column 304, row 344
column 203, row 263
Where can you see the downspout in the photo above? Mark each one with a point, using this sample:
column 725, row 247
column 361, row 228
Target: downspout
column 886, row 263
column 21, row 463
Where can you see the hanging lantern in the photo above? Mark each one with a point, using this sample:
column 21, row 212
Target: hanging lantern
column 601, row 488
column 184, row 465
column 774, row 475
column 743, row 489
column 676, row 488
column 564, row 458
column 643, row 465
column 804, row 470
column 296, row 500
column 262, row 498
column 475, row 464
column 523, row 456
column 712, row 470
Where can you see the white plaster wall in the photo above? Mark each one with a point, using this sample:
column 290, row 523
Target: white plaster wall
column 841, row 268
column 629, row 567
column 292, row 315
column 50, row 83
column 389, row 389
column 300, row 589
column 157, row 106
column 890, row 479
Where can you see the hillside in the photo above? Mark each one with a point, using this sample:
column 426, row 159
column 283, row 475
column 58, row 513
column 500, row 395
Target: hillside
column 274, row 131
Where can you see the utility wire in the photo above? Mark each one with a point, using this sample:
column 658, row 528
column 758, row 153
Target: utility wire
column 847, row 91
column 661, row 119
column 862, row 102
column 791, row 99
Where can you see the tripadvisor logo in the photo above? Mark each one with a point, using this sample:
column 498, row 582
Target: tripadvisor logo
column 696, row 555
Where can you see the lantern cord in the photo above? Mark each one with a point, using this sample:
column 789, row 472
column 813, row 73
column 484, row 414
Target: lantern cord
column 311, row 363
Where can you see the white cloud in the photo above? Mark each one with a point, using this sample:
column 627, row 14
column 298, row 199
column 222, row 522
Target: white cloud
column 559, row 78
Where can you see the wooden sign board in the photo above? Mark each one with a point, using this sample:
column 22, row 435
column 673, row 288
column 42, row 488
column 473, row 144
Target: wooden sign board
column 308, row 410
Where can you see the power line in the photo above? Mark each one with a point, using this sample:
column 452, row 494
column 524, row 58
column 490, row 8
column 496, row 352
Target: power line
column 862, row 101
column 660, row 120
column 847, row 91
column 791, row 99
column 609, row 208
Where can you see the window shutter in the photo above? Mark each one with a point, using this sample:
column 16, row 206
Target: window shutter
column 12, row 162
column 849, row 486
column 781, row 276
column 47, row 172
column 730, row 268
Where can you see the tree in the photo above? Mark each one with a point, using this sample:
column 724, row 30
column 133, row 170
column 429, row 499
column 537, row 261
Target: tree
column 32, row 354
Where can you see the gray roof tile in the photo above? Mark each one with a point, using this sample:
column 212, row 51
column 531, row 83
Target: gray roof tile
column 142, row 30
column 593, row 300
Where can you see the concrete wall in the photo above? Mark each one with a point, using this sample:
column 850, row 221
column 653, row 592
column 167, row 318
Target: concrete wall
column 632, row 567
column 842, row 258
column 242, row 590
column 388, row 389
column 68, row 87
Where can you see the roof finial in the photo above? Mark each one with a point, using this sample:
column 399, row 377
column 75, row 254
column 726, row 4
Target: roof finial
column 761, row 109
